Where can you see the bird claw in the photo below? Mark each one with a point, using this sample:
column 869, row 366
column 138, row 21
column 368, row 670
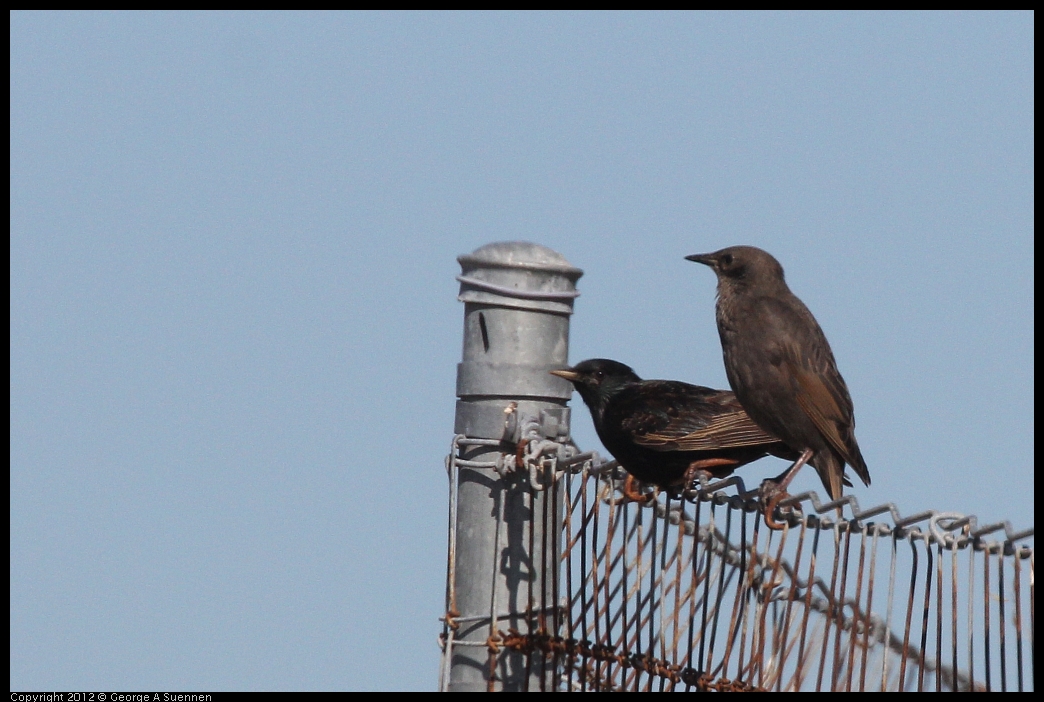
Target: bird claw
column 630, row 491
column 698, row 475
column 770, row 494
column 693, row 479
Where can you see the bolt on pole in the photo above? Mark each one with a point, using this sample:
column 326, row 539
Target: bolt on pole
column 517, row 300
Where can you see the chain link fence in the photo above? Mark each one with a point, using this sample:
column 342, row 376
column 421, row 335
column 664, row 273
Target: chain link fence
column 698, row 593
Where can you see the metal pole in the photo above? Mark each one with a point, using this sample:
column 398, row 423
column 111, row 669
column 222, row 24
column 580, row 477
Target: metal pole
column 517, row 300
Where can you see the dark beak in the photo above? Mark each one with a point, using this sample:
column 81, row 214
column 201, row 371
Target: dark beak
column 705, row 259
column 571, row 375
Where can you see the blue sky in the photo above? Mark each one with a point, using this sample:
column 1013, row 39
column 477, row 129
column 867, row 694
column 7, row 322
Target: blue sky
column 234, row 325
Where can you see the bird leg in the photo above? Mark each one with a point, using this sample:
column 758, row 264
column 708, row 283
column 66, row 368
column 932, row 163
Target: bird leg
column 693, row 476
column 772, row 493
column 707, row 465
column 705, row 468
column 630, row 491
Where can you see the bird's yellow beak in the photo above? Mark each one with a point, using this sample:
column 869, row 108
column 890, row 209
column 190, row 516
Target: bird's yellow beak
column 568, row 374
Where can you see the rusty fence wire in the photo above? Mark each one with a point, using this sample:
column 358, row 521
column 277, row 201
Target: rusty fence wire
column 696, row 592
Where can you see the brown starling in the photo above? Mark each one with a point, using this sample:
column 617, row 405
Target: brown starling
column 662, row 431
column 781, row 367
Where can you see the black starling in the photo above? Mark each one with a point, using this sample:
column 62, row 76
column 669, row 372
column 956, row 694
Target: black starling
column 660, row 430
column 780, row 365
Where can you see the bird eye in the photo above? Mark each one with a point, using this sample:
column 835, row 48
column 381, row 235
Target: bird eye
column 727, row 259
column 599, row 375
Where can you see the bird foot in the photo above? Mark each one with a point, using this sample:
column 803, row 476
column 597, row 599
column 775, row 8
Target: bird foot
column 693, row 478
column 770, row 494
column 630, row 491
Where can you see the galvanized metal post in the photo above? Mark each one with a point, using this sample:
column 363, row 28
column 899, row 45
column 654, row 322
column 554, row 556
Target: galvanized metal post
column 517, row 300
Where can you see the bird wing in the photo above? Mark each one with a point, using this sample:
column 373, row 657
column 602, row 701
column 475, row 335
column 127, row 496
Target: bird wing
column 731, row 430
column 825, row 400
column 672, row 416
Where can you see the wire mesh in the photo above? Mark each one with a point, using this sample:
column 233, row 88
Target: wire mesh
column 696, row 592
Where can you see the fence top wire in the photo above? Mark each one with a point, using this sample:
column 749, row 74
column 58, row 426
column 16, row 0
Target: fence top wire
column 546, row 461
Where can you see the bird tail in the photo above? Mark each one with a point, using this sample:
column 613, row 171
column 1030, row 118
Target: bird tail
column 855, row 459
column 831, row 469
